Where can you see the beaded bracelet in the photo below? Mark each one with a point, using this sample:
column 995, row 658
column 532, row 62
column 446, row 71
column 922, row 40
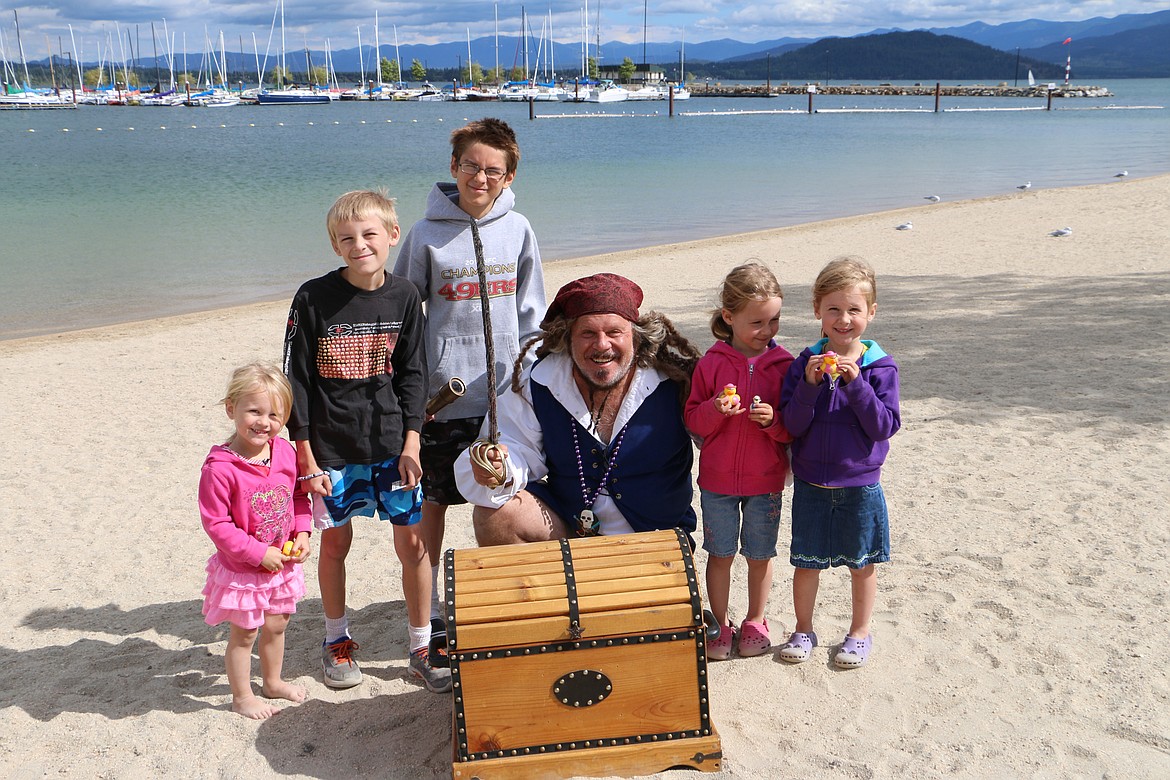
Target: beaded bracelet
column 307, row 477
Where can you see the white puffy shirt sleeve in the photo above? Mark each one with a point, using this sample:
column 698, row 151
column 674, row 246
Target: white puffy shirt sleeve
column 521, row 433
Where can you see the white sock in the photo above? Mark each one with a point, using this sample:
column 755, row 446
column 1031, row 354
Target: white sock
column 336, row 628
column 419, row 636
column 435, row 612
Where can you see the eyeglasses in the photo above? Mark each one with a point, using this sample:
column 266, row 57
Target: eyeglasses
column 492, row 174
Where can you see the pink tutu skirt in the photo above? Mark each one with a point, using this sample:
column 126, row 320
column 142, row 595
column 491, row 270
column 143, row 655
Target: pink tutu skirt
column 243, row 598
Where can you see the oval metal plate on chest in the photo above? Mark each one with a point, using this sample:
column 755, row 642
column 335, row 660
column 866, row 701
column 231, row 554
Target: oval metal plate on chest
column 582, row 688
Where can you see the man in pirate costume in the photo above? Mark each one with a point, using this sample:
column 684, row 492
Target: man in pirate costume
column 591, row 438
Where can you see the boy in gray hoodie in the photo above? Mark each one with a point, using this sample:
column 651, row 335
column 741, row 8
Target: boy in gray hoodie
column 439, row 258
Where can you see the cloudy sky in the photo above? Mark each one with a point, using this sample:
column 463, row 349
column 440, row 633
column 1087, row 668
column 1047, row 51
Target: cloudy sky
column 419, row 22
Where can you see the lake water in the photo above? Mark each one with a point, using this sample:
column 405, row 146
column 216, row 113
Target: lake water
column 120, row 213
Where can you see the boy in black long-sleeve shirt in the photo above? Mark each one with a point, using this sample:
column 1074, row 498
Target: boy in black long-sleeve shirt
column 354, row 355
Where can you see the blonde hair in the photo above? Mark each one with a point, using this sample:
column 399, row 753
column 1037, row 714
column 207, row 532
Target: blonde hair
column 260, row 378
column 361, row 204
column 845, row 273
column 744, row 283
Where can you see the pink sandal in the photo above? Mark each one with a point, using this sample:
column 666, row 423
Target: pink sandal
column 753, row 638
column 720, row 649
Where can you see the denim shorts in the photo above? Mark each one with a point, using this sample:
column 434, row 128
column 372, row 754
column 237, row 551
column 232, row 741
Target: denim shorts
column 364, row 490
column 846, row 526
column 723, row 532
column 443, row 441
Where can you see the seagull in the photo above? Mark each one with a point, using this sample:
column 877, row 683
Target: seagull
column 1121, row 175
column 905, row 226
column 932, row 198
column 1059, row 232
column 1026, row 186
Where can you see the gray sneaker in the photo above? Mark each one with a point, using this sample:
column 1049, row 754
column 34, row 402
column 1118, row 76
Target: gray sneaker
column 337, row 661
column 436, row 680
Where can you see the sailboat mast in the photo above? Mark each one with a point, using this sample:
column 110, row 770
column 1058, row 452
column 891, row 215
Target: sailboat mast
column 524, row 35
column 73, row 44
column 52, row 72
column 20, row 48
column 378, row 51
column 496, row 9
column 283, row 67
column 397, row 56
column 157, row 73
column 585, row 40
column 169, row 43
column 361, row 55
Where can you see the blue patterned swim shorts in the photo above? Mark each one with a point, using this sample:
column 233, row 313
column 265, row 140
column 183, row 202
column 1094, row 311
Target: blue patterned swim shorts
column 366, row 490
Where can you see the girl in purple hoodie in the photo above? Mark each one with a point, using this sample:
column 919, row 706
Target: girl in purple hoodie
column 840, row 403
column 259, row 521
column 743, row 464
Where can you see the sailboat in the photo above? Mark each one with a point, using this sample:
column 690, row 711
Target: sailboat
column 586, row 90
column 475, row 92
column 680, row 89
column 13, row 97
column 285, row 96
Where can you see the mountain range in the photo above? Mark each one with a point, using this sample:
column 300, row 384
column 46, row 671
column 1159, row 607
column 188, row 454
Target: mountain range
column 1129, row 45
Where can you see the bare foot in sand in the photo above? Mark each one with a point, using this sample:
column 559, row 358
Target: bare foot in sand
column 284, row 690
column 254, row 708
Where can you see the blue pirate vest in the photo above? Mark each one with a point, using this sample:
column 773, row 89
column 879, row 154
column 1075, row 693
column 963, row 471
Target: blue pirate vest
column 650, row 478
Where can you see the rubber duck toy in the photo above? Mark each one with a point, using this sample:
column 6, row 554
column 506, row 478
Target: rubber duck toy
column 829, row 366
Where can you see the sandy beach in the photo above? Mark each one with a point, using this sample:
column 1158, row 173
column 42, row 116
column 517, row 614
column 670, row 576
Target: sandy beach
column 1020, row 628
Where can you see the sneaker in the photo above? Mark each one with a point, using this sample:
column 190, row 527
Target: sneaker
column 436, row 680
column 338, row 664
column 719, row 649
column 438, row 647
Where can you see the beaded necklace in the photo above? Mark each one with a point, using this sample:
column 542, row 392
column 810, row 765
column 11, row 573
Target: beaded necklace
column 587, row 522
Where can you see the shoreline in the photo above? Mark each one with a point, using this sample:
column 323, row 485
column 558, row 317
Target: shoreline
column 1017, row 629
column 618, row 256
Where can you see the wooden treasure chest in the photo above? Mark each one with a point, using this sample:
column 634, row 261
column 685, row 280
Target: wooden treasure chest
column 578, row 657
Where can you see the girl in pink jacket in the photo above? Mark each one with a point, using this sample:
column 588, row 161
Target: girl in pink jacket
column 259, row 522
column 743, row 462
